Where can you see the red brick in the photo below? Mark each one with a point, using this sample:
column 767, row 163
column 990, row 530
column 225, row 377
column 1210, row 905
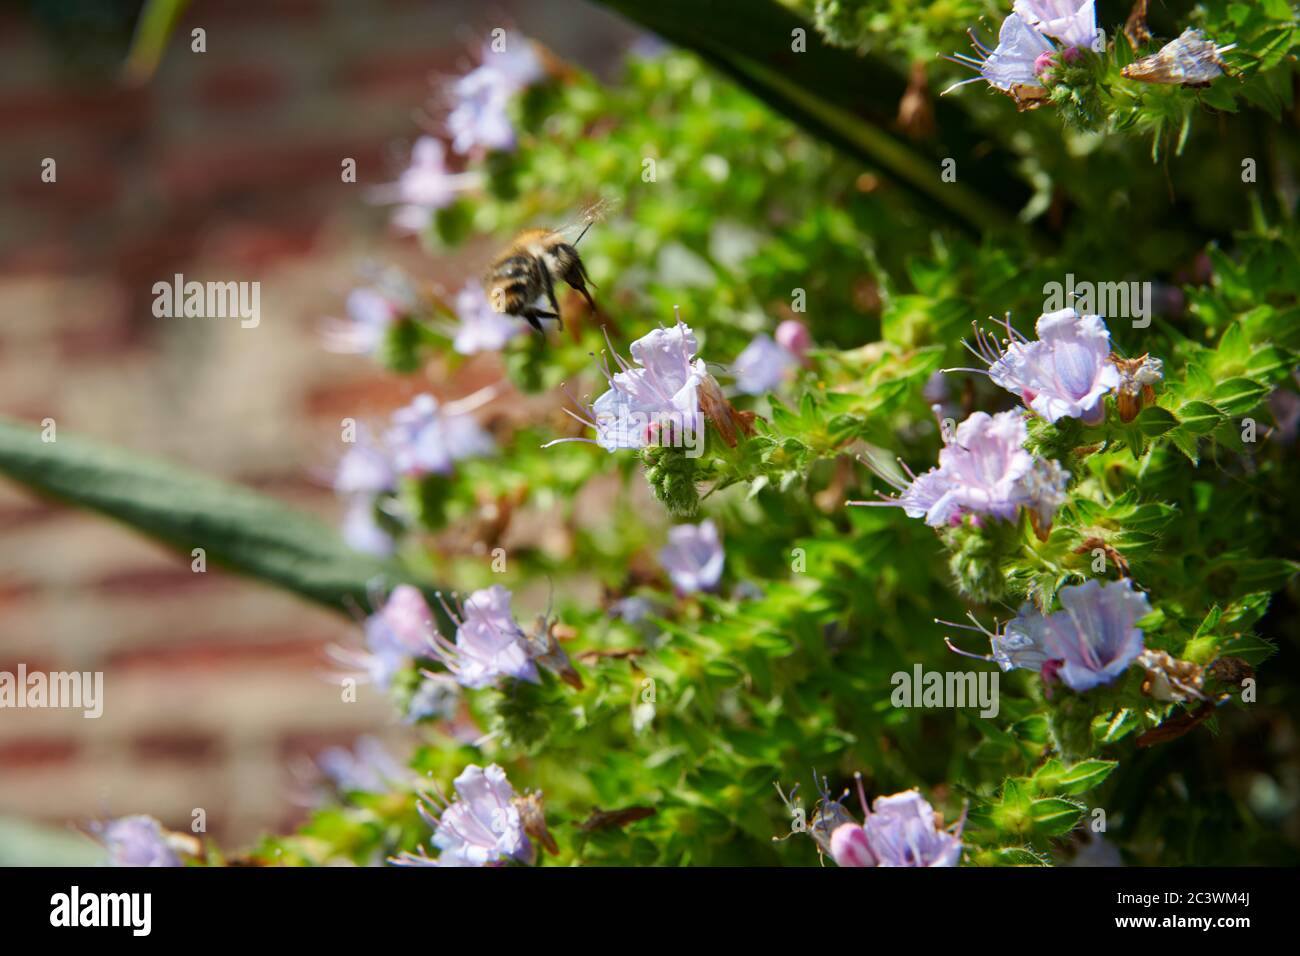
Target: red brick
column 205, row 173
column 12, row 592
column 25, row 754
column 80, row 187
column 38, row 258
column 255, row 246
column 297, row 746
column 111, row 336
column 13, row 517
column 33, row 666
column 107, row 107
column 147, row 582
column 230, row 650
column 177, row 747
column 246, row 86
column 377, row 395
column 393, row 76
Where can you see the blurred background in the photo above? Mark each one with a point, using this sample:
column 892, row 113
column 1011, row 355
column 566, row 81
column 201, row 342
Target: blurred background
column 225, row 165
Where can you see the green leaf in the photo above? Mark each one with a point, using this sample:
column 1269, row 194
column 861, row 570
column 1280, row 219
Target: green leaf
column 1199, row 418
column 239, row 529
column 1083, row 776
column 157, row 21
column 1055, row 816
column 1154, row 421
column 1053, row 778
column 1238, row 395
column 847, row 100
column 1185, row 441
column 1016, row 856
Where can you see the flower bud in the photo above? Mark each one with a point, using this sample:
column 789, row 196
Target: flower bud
column 793, row 336
column 850, row 846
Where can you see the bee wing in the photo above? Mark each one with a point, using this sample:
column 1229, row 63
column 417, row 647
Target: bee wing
column 592, row 213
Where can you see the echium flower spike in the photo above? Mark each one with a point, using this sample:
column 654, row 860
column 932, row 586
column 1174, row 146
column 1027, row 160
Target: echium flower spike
column 480, row 117
column 1094, row 636
column 429, row 438
column 1014, row 67
column 140, row 840
column 1065, row 373
column 1013, row 646
column 489, row 642
column 1072, row 22
column 983, row 471
column 1090, row 642
column 487, row 824
column 899, row 830
column 693, row 557
column 655, row 401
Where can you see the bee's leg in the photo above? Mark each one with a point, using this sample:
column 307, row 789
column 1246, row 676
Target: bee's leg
column 534, row 317
column 550, row 294
column 579, row 281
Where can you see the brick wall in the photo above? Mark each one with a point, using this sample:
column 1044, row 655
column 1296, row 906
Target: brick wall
column 225, row 165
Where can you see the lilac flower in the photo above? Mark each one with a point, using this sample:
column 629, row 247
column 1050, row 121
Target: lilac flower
column 632, row 610
column 480, row 116
column 902, row 832
column 436, row 697
column 1042, row 491
column 828, row 813
column 399, row 631
column 407, row 618
column 984, row 470
column 985, row 466
column 482, row 328
column 368, row 767
column 1066, row 373
column 693, row 556
column 793, row 336
column 850, row 846
column 1072, row 22
column 426, row 438
column 481, row 827
column 762, row 366
column 364, row 467
column 655, row 401
column 371, row 314
column 396, row 634
column 1095, row 633
column 424, row 187
column 1013, row 66
column 138, row 840
column 1016, row 645
column 363, row 473
column 899, row 830
column 489, row 642
column 362, row 532
column 1091, row 642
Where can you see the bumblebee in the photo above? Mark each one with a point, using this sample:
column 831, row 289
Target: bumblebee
column 527, row 271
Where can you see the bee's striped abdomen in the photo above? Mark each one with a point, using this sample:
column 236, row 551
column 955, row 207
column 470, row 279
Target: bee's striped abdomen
column 513, row 284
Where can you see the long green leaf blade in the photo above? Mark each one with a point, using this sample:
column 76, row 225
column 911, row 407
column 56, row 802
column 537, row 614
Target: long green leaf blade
column 240, row 529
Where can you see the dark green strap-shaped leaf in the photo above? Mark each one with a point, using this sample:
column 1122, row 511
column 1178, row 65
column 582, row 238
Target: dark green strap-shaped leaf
column 238, row 529
column 850, row 101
